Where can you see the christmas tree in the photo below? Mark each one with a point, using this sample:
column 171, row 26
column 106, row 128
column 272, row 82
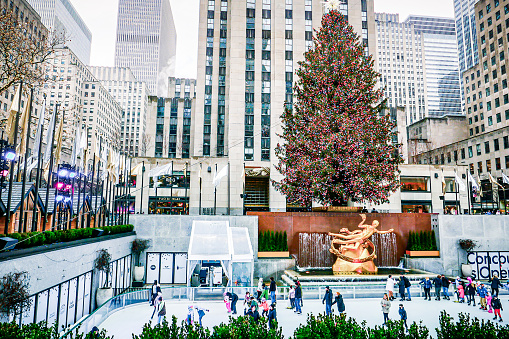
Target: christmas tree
column 337, row 141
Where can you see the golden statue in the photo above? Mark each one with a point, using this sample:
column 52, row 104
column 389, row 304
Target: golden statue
column 356, row 252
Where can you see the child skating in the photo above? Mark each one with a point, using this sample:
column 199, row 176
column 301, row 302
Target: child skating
column 497, row 307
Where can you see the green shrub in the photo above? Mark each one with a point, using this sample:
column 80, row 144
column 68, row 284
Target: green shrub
column 422, row 241
column 40, row 331
column 466, row 327
column 173, row 331
column 269, row 241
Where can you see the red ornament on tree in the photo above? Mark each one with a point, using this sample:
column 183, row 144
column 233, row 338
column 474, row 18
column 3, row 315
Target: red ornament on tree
column 337, row 143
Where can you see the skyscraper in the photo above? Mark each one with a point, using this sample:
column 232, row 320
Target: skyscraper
column 146, row 42
column 60, row 16
column 441, row 64
column 466, row 33
column 247, row 56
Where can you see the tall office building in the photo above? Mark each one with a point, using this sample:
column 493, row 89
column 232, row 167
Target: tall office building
column 60, row 16
column 466, row 33
column 239, row 116
column 441, row 64
column 146, row 42
column 132, row 95
column 400, row 60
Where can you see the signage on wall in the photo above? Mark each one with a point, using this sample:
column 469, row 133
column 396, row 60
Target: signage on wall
column 486, row 264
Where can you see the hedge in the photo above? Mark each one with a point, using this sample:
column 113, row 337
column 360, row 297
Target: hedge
column 33, row 239
column 270, row 241
column 320, row 326
column 422, row 241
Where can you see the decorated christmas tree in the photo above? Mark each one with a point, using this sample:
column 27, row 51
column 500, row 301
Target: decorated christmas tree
column 337, row 141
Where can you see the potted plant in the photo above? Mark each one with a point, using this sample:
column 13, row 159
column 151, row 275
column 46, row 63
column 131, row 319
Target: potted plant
column 102, row 263
column 14, row 294
column 138, row 246
column 468, row 245
column 273, row 245
column 422, row 244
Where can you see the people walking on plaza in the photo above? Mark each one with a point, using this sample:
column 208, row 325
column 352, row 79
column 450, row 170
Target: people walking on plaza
column 401, row 289
column 156, row 288
column 253, row 302
column 265, row 307
column 161, row 310
column 327, row 300
column 481, row 290
column 471, row 290
column 403, row 315
column 272, row 290
column 272, row 317
column 247, row 301
column 190, row 315
column 155, row 303
column 227, row 302
column 495, row 284
column 438, row 286
column 457, row 284
column 233, row 300
column 298, row 298
column 407, row 287
column 201, row 313
column 339, row 301
column 265, row 292
column 488, row 302
column 461, row 293
column 426, row 283
column 497, row 306
column 445, row 287
column 253, row 312
column 386, row 307
column 259, row 289
column 389, row 287
column 291, row 297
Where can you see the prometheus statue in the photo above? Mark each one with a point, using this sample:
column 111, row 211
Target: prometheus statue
column 356, row 252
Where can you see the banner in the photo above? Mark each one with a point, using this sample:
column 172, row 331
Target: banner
column 485, row 264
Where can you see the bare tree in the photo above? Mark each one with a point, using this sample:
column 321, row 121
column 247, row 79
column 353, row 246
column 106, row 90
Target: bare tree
column 145, row 144
column 24, row 54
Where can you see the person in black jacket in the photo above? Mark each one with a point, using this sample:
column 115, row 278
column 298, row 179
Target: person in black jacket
column 339, row 300
column 497, row 306
column 401, row 285
column 471, row 290
column 298, row 298
column 254, row 313
column 495, row 284
column 272, row 290
column 327, row 300
column 438, row 286
column 272, row 316
column 407, row 286
column 445, row 287
column 233, row 299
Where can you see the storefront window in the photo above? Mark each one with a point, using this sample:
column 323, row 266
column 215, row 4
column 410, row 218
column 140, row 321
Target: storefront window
column 450, row 185
column 415, row 184
column 423, row 208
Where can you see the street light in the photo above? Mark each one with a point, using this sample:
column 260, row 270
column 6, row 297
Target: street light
column 9, row 154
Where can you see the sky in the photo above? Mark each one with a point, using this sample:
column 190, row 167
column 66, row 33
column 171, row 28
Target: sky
column 103, row 25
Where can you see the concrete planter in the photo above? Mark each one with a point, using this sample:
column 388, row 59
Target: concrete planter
column 432, row 254
column 102, row 295
column 466, row 270
column 139, row 273
column 273, row 254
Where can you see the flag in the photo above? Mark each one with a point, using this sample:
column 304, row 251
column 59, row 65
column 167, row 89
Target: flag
column 493, row 181
column 49, row 135
column 23, row 123
column 505, row 179
column 459, row 182
column 138, row 169
column 471, row 180
column 443, row 184
column 76, row 147
column 59, row 137
column 161, row 170
column 13, row 112
column 37, row 144
column 220, row 175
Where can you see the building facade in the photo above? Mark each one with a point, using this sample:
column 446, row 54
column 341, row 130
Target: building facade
column 466, row 34
column 170, row 129
column 400, row 57
column 61, row 17
column 440, row 52
column 146, row 42
column 132, row 95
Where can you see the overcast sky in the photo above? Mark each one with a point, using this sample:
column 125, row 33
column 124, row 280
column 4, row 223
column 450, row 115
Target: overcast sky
column 103, row 24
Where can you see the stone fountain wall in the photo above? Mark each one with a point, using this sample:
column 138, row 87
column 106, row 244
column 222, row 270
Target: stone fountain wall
column 313, row 251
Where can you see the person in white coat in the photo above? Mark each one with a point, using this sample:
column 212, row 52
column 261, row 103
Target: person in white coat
column 389, row 287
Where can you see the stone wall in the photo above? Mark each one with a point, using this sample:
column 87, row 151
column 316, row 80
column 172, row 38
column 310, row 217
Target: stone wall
column 491, row 232
column 171, row 233
column 52, row 268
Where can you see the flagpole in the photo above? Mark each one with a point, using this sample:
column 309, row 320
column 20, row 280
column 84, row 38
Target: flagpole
column 50, row 169
column 37, row 176
column 199, row 201
column 156, row 184
column 22, row 219
column 469, row 186
column 92, row 184
column 142, row 188
column 215, row 193
column 244, row 190
column 186, row 206
column 229, row 207
column 11, row 167
column 124, row 219
column 129, row 189
column 97, row 181
column 171, row 189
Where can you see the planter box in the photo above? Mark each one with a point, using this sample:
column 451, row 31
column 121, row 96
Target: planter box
column 273, row 254
column 423, row 253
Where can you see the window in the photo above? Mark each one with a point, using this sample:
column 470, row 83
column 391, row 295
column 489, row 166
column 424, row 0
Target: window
column 496, row 145
column 415, row 184
column 507, row 161
column 490, row 121
column 487, row 147
column 478, row 149
column 498, row 166
column 462, row 153
column 479, row 167
column 506, row 142
column 488, row 166
column 470, row 153
column 499, row 118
